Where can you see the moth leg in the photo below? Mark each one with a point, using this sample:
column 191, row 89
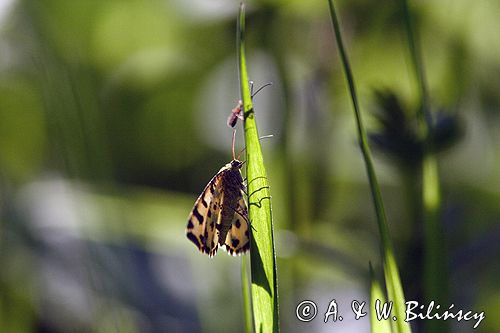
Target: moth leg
column 259, row 203
column 257, row 190
column 251, row 225
column 240, row 214
column 245, row 218
column 261, row 177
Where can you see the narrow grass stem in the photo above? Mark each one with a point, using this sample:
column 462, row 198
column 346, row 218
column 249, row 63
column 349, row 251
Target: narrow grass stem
column 247, row 301
column 435, row 274
column 262, row 253
column 377, row 295
column 418, row 68
column 393, row 281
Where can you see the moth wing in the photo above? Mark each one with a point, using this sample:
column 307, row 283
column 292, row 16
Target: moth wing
column 204, row 216
column 238, row 237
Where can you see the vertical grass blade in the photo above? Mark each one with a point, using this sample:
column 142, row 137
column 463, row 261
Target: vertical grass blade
column 376, row 293
column 247, row 301
column 435, row 274
column 262, row 253
column 391, row 273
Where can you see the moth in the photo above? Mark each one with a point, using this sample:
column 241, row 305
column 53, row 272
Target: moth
column 220, row 214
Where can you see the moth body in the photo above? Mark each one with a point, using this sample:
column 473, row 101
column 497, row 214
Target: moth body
column 220, row 214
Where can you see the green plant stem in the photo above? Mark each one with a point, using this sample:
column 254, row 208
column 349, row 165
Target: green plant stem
column 247, row 301
column 435, row 273
column 376, row 293
column 262, row 252
column 393, row 281
column 418, row 68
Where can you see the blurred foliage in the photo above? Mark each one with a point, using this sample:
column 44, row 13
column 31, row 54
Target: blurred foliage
column 398, row 134
column 103, row 150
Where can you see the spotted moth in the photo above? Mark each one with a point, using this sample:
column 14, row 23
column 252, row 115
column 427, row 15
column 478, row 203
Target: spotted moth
column 220, row 214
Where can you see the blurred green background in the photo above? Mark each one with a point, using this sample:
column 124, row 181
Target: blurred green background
column 113, row 119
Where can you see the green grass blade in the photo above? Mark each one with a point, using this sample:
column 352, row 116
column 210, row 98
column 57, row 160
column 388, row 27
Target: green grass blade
column 376, row 293
column 247, row 301
column 262, row 254
column 392, row 279
column 435, row 274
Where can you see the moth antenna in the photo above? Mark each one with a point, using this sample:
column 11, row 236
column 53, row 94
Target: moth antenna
column 266, row 136
column 262, row 137
column 251, row 87
column 234, row 138
column 252, row 94
column 241, row 151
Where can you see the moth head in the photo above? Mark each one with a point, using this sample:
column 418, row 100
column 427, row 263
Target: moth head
column 236, row 164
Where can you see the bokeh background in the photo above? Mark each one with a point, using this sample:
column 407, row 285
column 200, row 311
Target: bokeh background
column 113, row 119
